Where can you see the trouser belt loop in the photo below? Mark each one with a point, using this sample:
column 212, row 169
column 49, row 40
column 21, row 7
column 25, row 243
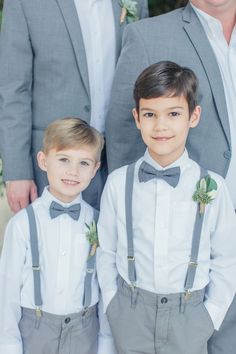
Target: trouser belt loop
column 37, row 321
column 133, row 297
column 182, row 303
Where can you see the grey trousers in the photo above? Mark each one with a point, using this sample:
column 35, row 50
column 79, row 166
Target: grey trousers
column 146, row 323
column 55, row 334
column 224, row 340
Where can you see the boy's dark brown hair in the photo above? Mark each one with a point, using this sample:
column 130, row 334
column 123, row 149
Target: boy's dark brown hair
column 167, row 79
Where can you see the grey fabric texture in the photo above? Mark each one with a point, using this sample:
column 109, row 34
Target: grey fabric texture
column 170, row 175
column 57, row 209
column 146, row 323
column 55, row 334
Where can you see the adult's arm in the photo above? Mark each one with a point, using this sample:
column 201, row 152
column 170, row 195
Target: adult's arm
column 16, row 58
column 123, row 140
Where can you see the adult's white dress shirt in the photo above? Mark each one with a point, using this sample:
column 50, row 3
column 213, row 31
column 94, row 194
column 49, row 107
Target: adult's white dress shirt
column 63, row 250
column 163, row 222
column 98, row 29
column 226, row 58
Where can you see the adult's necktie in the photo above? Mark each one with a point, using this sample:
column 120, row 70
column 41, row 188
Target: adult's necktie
column 57, row 209
column 170, row 175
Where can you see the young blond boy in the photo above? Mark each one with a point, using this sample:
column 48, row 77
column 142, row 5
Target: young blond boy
column 167, row 229
column 49, row 290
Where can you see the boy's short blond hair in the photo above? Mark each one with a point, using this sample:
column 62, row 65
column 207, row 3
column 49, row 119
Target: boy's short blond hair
column 70, row 133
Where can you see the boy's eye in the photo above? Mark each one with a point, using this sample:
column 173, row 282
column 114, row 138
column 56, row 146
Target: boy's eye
column 148, row 114
column 174, row 114
column 63, row 159
column 84, row 163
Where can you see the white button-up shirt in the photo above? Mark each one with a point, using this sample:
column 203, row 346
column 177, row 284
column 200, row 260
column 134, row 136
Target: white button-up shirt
column 98, row 30
column 63, row 250
column 163, row 223
column 226, row 58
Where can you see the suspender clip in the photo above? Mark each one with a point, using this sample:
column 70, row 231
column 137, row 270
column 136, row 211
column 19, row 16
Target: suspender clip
column 90, row 270
column 130, row 258
column 193, row 264
column 38, row 312
column 187, row 295
column 36, row 268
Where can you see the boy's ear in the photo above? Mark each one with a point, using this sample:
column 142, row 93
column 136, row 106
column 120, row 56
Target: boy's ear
column 97, row 166
column 195, row 117
column 41, row 158
column 136, row 117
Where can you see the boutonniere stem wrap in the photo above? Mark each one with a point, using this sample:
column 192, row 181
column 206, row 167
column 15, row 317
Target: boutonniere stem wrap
column 205, row 193
column 92, row 237
column 128, row 10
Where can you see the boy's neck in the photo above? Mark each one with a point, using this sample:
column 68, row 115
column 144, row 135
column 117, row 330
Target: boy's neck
column 165, row 161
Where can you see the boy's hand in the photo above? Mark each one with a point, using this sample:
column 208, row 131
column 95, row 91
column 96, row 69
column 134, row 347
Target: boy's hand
column 20, row 193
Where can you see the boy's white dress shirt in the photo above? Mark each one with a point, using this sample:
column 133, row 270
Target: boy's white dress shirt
column 163, row 222
column 63, row 250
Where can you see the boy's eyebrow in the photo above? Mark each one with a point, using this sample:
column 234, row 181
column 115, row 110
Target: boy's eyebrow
column 168, row 108
column 153, row 109
column 83, row 158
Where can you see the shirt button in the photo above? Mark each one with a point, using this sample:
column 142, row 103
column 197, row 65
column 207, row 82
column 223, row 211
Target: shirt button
column 164, row 300
column 67, row 320
column 227, row 154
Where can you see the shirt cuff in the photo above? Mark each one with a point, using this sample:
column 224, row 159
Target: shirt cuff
column 217, row 314
column 11, row 348
column 107, row 297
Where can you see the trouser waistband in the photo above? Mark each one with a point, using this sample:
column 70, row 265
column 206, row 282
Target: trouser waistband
column 159, row 300
column 61, row 318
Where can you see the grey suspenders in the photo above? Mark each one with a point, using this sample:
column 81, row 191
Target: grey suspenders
column 192, row 266
column 90, row 266
column 35, row 259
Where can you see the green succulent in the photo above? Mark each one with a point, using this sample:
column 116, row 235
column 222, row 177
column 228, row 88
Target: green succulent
column 206, row 192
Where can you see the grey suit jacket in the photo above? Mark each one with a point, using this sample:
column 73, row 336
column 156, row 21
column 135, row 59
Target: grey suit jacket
column 177, row 36
column 43, row 75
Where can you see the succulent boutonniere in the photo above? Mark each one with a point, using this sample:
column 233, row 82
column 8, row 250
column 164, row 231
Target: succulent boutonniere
column 128, row 10
column 206, row 192
column 92, row 237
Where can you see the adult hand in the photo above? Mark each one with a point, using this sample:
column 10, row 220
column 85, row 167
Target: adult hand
column 20, row 194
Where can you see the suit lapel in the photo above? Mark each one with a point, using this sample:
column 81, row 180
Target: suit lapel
column 199, row 40
column 70, row 17
column 119, row 28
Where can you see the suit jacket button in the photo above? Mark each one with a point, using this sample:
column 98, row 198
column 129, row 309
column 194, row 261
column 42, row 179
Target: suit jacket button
column 227, row 154
column 87, row 108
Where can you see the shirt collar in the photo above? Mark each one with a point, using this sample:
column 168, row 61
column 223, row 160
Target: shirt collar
column 47, row 198
column 211, row 24
column 182, row 162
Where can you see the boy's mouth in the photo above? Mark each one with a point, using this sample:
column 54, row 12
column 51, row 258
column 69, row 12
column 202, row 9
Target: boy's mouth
column 70, row 182
column 162, row 138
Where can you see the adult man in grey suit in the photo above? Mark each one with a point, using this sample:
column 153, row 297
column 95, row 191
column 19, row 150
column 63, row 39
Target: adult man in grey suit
column 57, row 59
column 200, row 37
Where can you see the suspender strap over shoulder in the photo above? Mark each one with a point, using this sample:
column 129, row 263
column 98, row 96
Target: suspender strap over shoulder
column 129, row 222
column 192, row 267
column 35, row 258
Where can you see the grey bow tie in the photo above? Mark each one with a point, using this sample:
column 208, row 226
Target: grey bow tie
column 147, row 172
column 57, row 209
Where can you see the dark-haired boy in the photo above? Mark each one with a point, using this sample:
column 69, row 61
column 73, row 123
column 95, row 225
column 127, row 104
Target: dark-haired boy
column 166, row 229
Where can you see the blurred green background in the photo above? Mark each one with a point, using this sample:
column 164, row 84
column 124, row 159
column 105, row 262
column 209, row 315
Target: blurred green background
column 156, row 6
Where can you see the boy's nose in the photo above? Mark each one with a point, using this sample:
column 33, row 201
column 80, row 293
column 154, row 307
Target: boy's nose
column 160, row 124
column 73, row 171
